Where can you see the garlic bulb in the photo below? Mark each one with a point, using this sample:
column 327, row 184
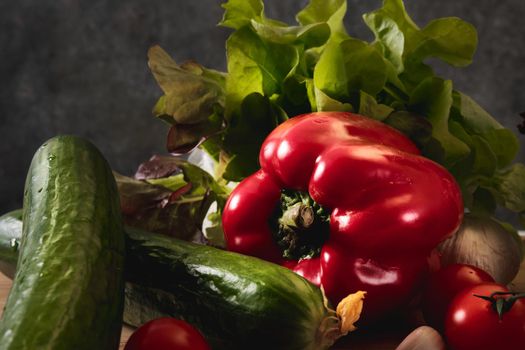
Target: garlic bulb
column 422, row 338
column 486, row 244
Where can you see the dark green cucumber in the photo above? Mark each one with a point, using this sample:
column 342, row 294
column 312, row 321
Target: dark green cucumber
column 10, row 235
column 68, row 290
column 238, row 302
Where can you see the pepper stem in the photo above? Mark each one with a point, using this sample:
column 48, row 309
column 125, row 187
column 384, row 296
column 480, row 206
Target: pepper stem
column 298, row 216
column 300, row 226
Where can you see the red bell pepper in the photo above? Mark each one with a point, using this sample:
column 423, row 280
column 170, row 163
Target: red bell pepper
column 347, row 202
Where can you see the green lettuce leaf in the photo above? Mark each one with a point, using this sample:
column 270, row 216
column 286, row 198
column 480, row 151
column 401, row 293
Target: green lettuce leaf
column 248, row 128
column 389, row 37
column 393, row 11
column 432, row 98
column 255, row 65
column 214, row 232
column 320, row 101
column 368, row 106
column 406, row 46
column 450, row 39
column 476, row 120
column 312, row 35
column 473, row 116
column 347, row 67
column 239, row 13
column 330, row 72
column 503, row 143
column 331, row 12
column 511, row 188
column 172, row 183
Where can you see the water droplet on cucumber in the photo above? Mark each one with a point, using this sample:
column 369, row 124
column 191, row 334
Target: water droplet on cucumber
column 14, row 243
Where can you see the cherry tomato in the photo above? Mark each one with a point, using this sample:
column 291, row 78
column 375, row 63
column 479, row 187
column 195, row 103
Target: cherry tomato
column 443, row 285
column 472, row 323
column 167, row 334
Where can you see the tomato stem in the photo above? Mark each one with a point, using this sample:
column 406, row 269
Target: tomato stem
column 501, row 302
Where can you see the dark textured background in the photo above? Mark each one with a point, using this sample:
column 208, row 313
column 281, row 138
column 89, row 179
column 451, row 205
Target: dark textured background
column 79, row 67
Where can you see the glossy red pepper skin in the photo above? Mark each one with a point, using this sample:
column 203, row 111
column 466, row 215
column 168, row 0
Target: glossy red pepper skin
column 389, row 206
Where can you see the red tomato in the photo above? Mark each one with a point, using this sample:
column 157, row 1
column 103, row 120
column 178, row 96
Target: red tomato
column 473, row 324
column 167, row 334
column 444, row 285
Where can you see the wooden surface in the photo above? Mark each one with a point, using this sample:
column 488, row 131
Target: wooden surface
column 386, row 339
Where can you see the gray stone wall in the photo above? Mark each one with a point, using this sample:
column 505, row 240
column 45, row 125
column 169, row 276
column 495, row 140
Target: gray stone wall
column 79, row 67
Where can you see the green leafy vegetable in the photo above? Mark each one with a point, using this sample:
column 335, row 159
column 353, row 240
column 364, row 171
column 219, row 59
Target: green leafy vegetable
column 330, row 72
column 192, row 96
column 322, row 102
column 432, row 98
column 277, row 71
column 331, row 12
column 368, row 106
column 449, row 39
column 255, row 65
column 249, row 126
column 389, row 38
column 190, row 91
column 310, row 36
column 170, row 196
column 172, row 183
column 511, row 187
column 239, row 13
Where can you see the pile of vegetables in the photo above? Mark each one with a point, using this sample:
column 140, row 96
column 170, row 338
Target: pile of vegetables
column 371, row 225
column 349, row 184
column 277, row 71
column 247, row 118
column 68, row 291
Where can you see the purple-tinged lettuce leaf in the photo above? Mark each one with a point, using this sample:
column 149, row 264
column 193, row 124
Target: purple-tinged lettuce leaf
column 136, row 195
column 169, row 196
column 158, row 167
column 191, row 91
column 192, row 101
